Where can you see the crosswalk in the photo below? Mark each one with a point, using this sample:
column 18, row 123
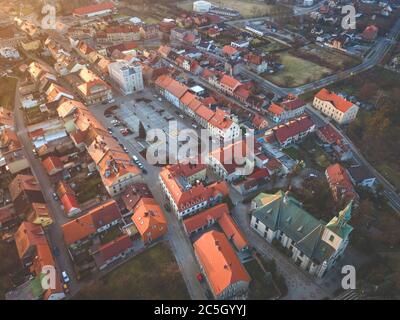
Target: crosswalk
column 348, row 295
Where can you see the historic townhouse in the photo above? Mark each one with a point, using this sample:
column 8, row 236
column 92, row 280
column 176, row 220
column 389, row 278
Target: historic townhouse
column 313, row 244
column 182, row 184
column 335, row 107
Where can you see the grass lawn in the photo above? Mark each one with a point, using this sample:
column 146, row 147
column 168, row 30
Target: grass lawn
column 247, row 8
column 338, row 59
column 9, row 263
column 297, row 71
column 294, row 153
column 7, row 92
column 261, row 286
column 89, row 189
column 390, row 174
column 110, row 235
column 153, row 275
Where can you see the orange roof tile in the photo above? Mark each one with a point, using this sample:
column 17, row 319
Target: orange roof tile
column 220, row 262
column 149, row 219
column 27, row 236
column 94, row 8
column 229, row 50
column 82, row 227
column 230, row 81
column 219, row 214
column 338, row 102
column 204, row 112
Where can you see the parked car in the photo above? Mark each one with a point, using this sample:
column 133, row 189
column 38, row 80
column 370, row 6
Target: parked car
column 55, row 196
column 65, row 277
column 199, row 277
column 167, row 207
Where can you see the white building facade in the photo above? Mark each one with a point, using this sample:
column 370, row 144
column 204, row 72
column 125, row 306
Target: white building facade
column 129, row 77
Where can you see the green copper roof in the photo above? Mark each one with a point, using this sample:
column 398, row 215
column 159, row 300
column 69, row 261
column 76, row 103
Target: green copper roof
column 283, row 212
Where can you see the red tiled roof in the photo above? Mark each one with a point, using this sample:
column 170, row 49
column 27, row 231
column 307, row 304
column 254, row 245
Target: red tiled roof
column 293, row 103
column 219, row 214
column 229, row 81
column 275, row 109
column 329, row 134
column 196, row 194
column 27, row 236
column 82, row 227
column 229, row 50
column 149, row 219
column 94, row 8
column 338, row 102
column 221, row 120
column 292, row 128
column 204, row 112
column 69, row 202
column 339, row 177
column 220, row 262
column 114, row 248
column 176, row 88
column 187, row 98
column 52, row 163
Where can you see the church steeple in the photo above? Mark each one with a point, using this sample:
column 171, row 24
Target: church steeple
column 345, row 214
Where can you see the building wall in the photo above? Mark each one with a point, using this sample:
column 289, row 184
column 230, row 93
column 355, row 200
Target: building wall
column 328, row 109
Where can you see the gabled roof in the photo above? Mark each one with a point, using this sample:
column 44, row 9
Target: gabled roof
column 220, row 262
column 134, row 193
column 23, row 183
column 27, row 236
column 148, row 217
column 69, row 202
column 230, row 82
column 229, row 50
column 112, row 249
column 221, row 120
column 94, row 8
column 204, row 112
column 219, row 214
column 329, row 134
column 275, row 109
column 293, row 128
column 84, row 226
column 337, row 101
column 52, row 163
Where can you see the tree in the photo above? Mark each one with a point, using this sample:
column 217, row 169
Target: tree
column 142, row 131
column 288, row 80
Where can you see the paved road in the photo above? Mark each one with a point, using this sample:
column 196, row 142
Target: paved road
column 373, row 58
column 181, row 246
column 53, row 232
column 389, row 191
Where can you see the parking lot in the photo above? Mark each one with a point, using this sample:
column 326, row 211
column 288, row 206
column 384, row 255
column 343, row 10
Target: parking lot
column 153, row 115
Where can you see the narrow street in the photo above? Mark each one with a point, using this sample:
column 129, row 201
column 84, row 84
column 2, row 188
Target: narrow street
column 53, row 232
column 180, row 243
column 389, row 191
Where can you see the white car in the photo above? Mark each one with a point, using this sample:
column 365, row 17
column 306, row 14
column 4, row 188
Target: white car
column 65, row 277
column 135, row 158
